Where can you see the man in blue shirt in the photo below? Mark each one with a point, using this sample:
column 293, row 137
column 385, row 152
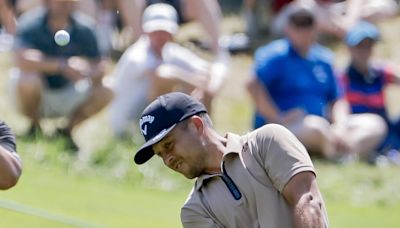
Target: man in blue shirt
column 294, row 85
column 58, row 81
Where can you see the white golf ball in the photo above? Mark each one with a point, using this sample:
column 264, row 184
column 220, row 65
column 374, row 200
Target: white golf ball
column 61, row 37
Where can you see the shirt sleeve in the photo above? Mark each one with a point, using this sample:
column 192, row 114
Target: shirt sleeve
column 24, row 37
column 196, row 219
column 90, row 43
column 7, row 138
column 266, row 64
column 282, row 154
column 184, row 58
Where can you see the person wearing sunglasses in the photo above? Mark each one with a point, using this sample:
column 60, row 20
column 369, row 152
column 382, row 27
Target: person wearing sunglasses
column 293, row 84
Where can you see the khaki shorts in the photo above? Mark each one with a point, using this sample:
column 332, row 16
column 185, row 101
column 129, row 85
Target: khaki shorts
column 64, row 101
column 56, row 102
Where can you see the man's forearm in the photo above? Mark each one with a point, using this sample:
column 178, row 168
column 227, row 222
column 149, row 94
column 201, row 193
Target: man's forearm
column 35, row 61
column 308, row 213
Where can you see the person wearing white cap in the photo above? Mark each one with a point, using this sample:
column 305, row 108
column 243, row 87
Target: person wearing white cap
column 152, row 66
column 206, row 12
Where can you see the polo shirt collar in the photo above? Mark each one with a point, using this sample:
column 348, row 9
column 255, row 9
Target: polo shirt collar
column 293, row 52
column 233, row 146
column 45, row 21
column 352, row 72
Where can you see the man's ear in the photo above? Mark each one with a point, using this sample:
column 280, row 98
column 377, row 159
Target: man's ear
column 196, row 122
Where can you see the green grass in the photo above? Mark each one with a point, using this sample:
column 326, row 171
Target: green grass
column 102, row 187
column 59, row 186
column 356, row 195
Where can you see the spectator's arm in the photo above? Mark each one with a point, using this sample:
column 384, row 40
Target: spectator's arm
column 10, row 168
column 262, row 100
column 130, row 11
column 353, row 12
column 34, row 60
column 392, row 74
column 303, row 195
column 74, row 68
column 7, row 17
column 396, row 80
column 97, row 70
column 10, row 164
column 340, row 111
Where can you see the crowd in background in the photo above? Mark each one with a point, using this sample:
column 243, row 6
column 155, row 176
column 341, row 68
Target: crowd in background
column 293, row 82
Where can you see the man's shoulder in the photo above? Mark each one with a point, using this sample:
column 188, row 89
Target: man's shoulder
column 83, row 23
column 274, row 50
column 136, row 53
column 267, row 131
column 322, row 53
column 193, row 202
column 32, row 19
column 82, row 20
column 279, row 45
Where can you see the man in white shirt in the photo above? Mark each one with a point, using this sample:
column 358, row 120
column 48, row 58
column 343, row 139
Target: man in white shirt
column 155, row 65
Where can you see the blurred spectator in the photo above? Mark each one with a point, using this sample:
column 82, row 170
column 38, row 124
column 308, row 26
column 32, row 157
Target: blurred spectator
column 23, row 6
column 115, row 21
column 333, row 17
column 7, row 24
column 58, row 81
column 365, row 81
column 206, row 12
column 155, row 65
column 10, row 162
column 262, row 14
column 7, row 16
column 336, row 17
column 294, row 85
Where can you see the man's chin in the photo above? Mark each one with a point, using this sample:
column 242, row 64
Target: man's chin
column 189, row 175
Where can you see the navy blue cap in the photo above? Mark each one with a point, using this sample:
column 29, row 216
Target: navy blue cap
column 161, row 116
column 360, row 32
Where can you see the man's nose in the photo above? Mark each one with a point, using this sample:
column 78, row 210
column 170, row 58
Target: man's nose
column 169, row 159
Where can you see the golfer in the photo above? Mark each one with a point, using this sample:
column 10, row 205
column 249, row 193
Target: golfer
column 10, row 163
column 262, row 179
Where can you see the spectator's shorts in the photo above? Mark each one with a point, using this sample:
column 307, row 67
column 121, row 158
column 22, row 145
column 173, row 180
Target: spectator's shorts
column 64, row 101
column 56, row 102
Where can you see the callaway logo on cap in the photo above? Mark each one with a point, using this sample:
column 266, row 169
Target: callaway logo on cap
column 161, row 116
column 142, row 122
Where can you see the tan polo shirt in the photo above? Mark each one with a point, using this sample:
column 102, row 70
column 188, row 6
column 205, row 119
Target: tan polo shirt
column 259, row 164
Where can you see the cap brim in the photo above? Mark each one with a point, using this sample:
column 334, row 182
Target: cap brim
column 160, row 25
column 354, row 41
column 145, row 152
